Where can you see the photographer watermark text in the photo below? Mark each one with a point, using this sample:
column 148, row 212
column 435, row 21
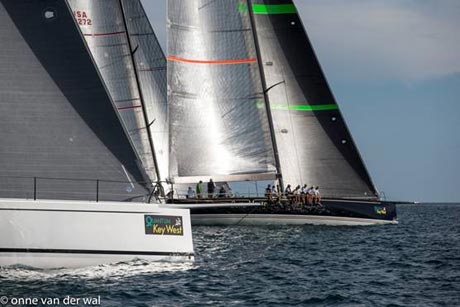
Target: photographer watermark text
column 50, row 301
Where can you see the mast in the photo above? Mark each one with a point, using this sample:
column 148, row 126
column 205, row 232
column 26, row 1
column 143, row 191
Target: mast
column 265, row 92
column 141, row 94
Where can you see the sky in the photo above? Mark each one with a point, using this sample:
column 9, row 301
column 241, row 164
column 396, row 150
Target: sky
column 394, row 68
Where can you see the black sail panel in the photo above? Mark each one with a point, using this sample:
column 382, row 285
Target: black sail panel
column 218, row 124
column 56, row 118
column 314, row 144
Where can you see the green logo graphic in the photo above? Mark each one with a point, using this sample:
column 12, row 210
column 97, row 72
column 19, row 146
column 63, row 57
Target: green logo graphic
column 380, row 210
column 163, row 225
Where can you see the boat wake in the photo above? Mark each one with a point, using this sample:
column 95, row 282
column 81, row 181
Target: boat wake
column 113, row 271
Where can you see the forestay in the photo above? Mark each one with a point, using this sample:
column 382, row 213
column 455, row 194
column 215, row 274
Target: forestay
column 219, row 126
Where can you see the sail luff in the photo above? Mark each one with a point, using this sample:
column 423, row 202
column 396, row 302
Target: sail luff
column 266, row 97
column 141, row 93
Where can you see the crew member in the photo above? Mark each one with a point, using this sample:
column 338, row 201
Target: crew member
column 296, row 193
column 211, row 188
column 190, row 193
column 268, row 193
column 222, row 192
column 304, row 194
column 317, row 196
column 311, row 195
column 199, row 189
column 288, row 191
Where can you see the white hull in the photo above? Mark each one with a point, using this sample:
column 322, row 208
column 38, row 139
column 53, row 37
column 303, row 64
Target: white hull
column 280, row 219
column 67, row 234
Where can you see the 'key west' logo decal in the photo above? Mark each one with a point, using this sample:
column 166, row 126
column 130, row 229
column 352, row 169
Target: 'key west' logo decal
column 162, row 225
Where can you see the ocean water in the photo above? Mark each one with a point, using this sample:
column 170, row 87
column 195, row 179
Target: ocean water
column 415, row 263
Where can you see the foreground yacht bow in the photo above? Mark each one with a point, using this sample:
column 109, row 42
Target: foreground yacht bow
column 69, row 234
column 72, row 182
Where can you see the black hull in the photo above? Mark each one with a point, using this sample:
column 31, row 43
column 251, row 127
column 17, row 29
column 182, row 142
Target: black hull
column 331, row 212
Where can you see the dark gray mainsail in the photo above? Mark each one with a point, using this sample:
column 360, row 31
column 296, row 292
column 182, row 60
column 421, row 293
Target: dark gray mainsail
column 104, row 28
column 313, row 142
column 56, row 118
column 217, row 125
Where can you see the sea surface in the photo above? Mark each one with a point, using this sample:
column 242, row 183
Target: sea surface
column 415, row 263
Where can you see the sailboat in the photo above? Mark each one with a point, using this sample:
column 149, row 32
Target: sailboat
column 249, row 101
column 73, row 182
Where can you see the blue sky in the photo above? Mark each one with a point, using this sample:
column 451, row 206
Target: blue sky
column 394, row 67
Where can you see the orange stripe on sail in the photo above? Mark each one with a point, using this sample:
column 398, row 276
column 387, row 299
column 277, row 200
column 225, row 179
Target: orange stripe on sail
column 216, row 62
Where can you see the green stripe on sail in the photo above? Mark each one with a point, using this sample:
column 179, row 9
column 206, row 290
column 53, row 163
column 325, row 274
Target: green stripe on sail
column 265, row 9
column 321, row 107
column 308, row 108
